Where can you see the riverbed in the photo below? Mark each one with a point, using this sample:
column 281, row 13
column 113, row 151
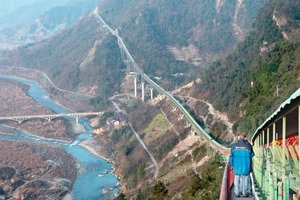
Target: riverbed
column 95, row 179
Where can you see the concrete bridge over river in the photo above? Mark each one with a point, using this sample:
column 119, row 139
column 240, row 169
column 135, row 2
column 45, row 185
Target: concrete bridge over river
column 20, row 119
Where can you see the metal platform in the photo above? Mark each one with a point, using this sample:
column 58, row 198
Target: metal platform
column 232, row 196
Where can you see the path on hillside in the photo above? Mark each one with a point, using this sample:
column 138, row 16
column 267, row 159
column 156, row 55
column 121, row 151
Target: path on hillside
column 170, row 123
column 53, row 85
column 216, row 114
column 139, row 139
column 147, row 150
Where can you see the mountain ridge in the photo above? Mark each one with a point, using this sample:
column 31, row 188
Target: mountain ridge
column 155, row 57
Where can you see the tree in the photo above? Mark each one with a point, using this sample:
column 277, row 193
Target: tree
column 159, row 189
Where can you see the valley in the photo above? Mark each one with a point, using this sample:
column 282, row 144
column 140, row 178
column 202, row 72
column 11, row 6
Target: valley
column 104, row 145
column 54, row 167
column 37, row 170
column 224, row 67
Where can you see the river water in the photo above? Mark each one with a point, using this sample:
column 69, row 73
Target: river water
column 96, row 180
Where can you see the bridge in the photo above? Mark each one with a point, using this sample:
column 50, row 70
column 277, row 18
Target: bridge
column 144, row 78
column 276, row 166
column 43, row 28
column 20, row 119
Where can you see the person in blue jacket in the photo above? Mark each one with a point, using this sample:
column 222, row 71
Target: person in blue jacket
column 240, row 160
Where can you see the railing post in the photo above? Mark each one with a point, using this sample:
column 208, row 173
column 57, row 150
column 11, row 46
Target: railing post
column 151, row 93
column 275, row 190
column 143, row 91
column 260, row 161
column 283, row 161
column 263, row 158
column 135, row 87
column 263, row 138
column 274, row 167
column 269, row 169
column 279, row 185
column 298, row 179
column 268, row 137
column 256, row 159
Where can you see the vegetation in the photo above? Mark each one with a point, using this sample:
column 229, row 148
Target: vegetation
column 163, row 145
column 141, row 115
column 75, row 60
column 131, row 157
column 245, row 83
column 209, row 185
column 118, row 133
column 103, row 118
column 156, row 128
column 153, row 26
column 159, row 191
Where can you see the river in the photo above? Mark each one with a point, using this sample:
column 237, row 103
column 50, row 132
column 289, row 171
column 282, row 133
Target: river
column 96, row 180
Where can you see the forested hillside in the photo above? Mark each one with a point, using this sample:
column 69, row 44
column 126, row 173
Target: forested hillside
column 76, row 61
column 166, row 38
column 262, row 71
column 175, row 41
column 170, row 37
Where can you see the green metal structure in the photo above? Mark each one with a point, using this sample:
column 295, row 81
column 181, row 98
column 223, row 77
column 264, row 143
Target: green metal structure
column 276, row 145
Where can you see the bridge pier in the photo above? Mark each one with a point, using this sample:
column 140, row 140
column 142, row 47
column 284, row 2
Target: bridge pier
column 47, row 118
column 77, row 119
column 151, row 93
column 143, row 91
column 135, row 87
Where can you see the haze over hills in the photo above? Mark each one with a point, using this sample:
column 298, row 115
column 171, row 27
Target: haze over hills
column 14, row 13
column 31, row 21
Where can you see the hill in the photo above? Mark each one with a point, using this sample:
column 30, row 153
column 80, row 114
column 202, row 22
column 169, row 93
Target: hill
column 19, row 25
column 171, row 37
column 170, row 40
column 261, row 72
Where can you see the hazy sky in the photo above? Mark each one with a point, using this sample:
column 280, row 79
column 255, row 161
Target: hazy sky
column 19, row 12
